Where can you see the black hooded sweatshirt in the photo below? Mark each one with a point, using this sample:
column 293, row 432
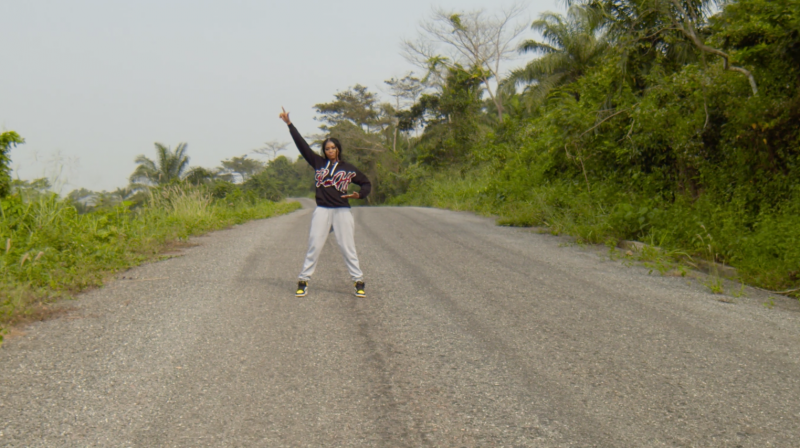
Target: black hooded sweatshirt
column 332, row 178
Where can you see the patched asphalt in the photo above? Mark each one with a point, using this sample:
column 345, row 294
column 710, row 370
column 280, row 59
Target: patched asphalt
column 471, row 335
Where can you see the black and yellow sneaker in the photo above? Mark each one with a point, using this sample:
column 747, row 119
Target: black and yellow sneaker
column 302, row 288
column 360, row 292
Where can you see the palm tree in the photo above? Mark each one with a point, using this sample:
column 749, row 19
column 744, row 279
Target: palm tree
column 572, row 44
column 170, row 165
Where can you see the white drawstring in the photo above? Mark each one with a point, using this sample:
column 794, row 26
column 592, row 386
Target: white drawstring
column 334, row 167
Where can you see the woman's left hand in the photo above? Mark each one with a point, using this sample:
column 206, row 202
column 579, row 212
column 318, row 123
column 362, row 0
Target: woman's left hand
column 350, row 196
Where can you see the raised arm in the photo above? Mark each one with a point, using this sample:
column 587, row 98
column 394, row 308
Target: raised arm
column 299, row 141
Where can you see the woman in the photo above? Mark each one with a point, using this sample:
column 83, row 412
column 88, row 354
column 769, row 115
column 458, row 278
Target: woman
column 333, row 176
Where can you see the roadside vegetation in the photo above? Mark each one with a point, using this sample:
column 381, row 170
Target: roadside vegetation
column 52, row 247
column 674, row 123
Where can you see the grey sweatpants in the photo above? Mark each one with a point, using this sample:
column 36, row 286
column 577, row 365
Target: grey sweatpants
column 343, row 225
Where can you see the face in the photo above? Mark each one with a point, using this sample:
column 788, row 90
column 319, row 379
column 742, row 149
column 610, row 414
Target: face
column 331, row 152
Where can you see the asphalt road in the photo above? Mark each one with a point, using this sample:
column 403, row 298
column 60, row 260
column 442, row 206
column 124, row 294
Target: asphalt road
column 471, row 335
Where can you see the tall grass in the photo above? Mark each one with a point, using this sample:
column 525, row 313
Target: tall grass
column 50, row 251
column 453, row 190
column 182, row 203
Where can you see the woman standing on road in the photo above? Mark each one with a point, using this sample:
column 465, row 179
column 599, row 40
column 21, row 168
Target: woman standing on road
column 333, row 207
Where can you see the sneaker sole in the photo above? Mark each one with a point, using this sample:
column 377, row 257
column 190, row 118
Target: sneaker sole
column 361, row 295
column 301, row 295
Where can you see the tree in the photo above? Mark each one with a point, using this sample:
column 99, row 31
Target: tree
column 106, row 200
column 651, row 20
column 8, row 140
column 271, row 149
column 355, row 105
column 30, row 190
column 472, row 39
column 763, row 34
column 242, row 166
column 572, row 44
column 688, row 17
column 169, row 166
column 199, row 175
column 264, row 186
column 281, row 178
column 405, row 92
column 82, row 199
column 86, row 201
column 355, row 116
column 452, row 118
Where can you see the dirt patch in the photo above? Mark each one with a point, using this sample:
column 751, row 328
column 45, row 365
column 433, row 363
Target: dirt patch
column 176, row 247
column 36, row 313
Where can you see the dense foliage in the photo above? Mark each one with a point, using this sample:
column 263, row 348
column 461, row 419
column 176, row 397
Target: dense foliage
column 282, row 178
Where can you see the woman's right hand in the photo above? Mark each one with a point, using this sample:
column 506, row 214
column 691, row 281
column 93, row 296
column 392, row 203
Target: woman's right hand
column 285, row 116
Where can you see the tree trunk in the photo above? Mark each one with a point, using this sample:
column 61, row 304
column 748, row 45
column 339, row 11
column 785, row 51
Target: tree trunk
column 396, row 123
column 496, row 100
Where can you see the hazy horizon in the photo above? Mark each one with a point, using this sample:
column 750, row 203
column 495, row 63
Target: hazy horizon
column 91, row 84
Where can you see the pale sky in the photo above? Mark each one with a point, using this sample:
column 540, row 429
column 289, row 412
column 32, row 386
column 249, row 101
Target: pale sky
column 91, row 84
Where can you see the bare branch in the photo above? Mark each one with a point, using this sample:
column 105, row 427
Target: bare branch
column 601, row 122
column 271, row 149
column 418, row 52
column 472, row 39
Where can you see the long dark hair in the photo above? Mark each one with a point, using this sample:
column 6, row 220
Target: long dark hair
column 335, row 141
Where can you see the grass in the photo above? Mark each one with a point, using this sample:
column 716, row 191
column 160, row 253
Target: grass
column 49, row 252
column 449, row 190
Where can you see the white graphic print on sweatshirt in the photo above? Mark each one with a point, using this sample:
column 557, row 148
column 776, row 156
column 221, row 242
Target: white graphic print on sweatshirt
column 340, row 180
